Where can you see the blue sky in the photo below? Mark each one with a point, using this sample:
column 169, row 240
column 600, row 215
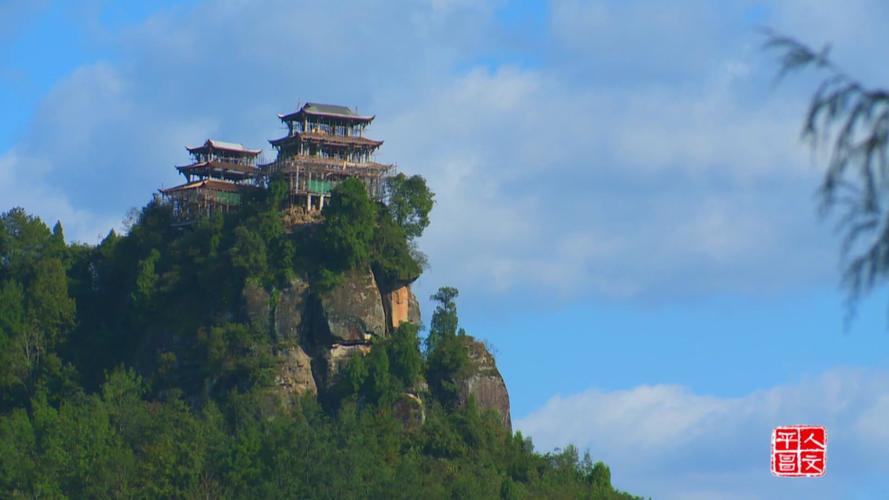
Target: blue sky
column 622, row 197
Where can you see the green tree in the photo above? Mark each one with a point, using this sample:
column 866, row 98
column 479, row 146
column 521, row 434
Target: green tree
column 235, row 356
column 57, row 246
column 248, row 254
column 404, row 353
column 444, row 318
column 446, row 353
column 18, row 454
column 395, row 261
column 146, row 281
column 356, row 373
column 34, row 322
column 165, row 303
column 23, row 240
column 51, row 309
column 14, row 366
column 380, row 387
column 409, row 203
column 348, row 229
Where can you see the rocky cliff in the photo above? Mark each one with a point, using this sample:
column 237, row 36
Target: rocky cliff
column 318, row 333
column 484, row 382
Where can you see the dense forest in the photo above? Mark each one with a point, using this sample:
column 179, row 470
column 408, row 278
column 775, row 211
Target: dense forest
column 130, row 368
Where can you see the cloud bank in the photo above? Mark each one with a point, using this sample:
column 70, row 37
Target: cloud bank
column 668, row 442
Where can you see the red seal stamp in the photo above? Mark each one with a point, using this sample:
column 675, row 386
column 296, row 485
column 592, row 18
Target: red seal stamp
column 799, row 451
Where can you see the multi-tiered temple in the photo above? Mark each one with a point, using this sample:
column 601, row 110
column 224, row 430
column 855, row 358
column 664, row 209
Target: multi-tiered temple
column 218, row 174
column 324, row 145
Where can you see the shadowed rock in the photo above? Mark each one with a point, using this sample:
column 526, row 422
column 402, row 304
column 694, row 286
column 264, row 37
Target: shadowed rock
column 352, row 312
column 290, row 309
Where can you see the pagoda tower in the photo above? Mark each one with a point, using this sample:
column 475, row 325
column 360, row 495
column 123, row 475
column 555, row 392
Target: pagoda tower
column 216, row 177
column 324, row 145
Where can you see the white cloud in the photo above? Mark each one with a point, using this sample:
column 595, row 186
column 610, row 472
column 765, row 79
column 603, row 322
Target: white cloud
column 648, row 40
column 668, row 442
column 19, row 189
column 571, row 190
column 603, row 168
column 92, row 152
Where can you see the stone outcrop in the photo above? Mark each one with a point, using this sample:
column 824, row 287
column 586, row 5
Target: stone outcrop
column 316, row 336
column 290, row 310
column 484, row 383
column 295, row 372
column 285, row 319
column 297, row 217
column 413, row 311
column 352, row 312
column 401, row 306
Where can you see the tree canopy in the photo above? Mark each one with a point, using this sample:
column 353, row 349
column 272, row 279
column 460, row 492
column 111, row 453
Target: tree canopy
column 129, row 369
column 409, row 203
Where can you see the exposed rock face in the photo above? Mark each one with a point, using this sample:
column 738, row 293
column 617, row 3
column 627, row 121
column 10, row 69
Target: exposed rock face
column 294, row 376
column 338, row 357
column 287, row 317
column 315, row 344
column 353, row 311
column 485, row 384
column 295, row 373
column 290, row 309
column 401, row 305
column 413, row 311
column 297, row 216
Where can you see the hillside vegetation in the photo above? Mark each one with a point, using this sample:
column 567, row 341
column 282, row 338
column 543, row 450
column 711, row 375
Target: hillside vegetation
column 133, row 369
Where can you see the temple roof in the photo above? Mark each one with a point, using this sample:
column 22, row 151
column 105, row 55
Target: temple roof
column 331, row 110
column 217, row 165
column 341, row 140
column 212, row 184
column 226, row 170
column 232, row 147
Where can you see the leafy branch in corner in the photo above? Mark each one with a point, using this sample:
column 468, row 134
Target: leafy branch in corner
column 852, row 122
